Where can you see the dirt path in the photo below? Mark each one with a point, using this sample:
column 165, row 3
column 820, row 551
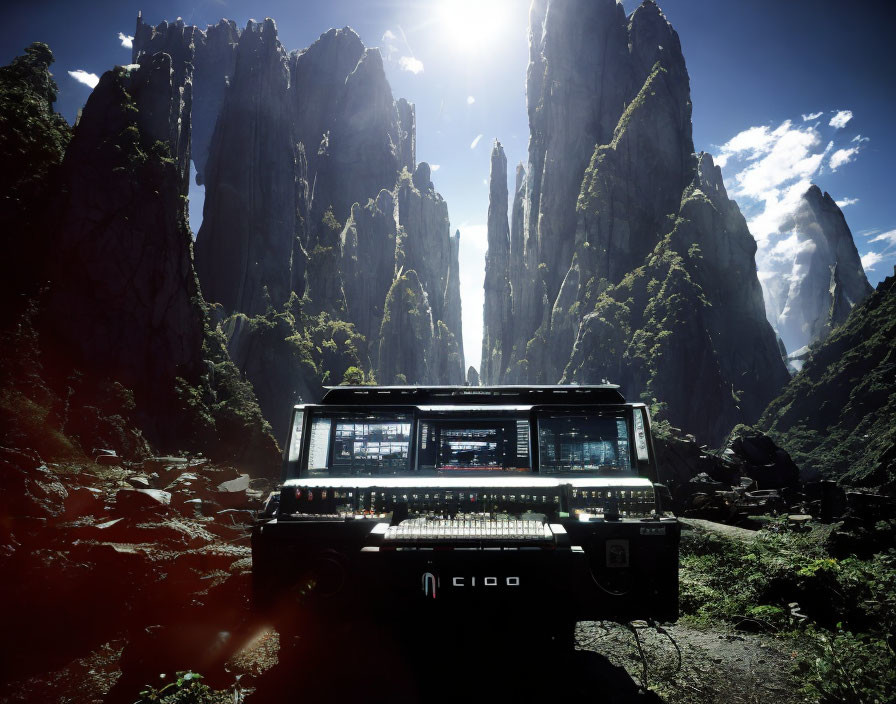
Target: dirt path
column 715, row 666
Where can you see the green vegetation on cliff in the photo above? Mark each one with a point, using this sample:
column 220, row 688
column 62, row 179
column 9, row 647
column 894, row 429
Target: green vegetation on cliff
column 33, row 139
column 837, row 417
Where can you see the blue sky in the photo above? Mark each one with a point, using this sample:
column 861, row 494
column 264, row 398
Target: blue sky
column 757, row 68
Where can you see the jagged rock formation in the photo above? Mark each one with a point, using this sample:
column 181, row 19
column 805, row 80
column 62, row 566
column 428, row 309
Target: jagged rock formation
column 837, row 417
column 635, row 266
column 497, row 310
column 124, row 291
column 124, row 302
column 826, row 279
column 245, row 245
column 313, row 194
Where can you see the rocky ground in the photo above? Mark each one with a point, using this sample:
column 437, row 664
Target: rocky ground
column 125, row 574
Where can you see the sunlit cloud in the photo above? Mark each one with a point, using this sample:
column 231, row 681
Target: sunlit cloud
column 475, row 142
column 889, row 237
column 859, row 138
column 773, row 166
column 768, row 169
column 411, row 64
column 840, row 118
column 787, row 249
column 841, row 157
column 126, row 41
column 470, row 100
column 389, row 36
column 435, row 167
column 871, row 259
column 88, row 79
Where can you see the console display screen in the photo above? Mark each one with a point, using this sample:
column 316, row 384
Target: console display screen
column 473, row 445
column 593, row 443
column 359, row 444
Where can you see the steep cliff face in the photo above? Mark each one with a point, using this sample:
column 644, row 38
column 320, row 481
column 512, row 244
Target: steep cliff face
column 826, row 279
column 244, row 247
column 635, row 266
column 407, row 334
column 405, row 231
column 360, row 152
column 124, row 301
column 124, row 290
column 497, row 310
column 213, row 55
column 837, row 417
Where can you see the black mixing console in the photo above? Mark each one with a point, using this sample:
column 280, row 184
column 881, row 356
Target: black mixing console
column 433, row 501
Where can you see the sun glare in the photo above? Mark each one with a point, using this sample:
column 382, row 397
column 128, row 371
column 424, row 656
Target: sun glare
column 473, row 25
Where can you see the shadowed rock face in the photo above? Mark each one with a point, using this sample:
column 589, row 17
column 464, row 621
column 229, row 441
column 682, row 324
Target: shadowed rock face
column 827, row 278
column 405, row 230
column 123, row 302
column 633, row 266
column 315, row 207
column 244, row 247
column 124, row 294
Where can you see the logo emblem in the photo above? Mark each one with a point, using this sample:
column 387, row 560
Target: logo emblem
column 429, row 584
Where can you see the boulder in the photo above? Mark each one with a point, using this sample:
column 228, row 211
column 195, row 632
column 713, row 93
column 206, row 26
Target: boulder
column 133, row 501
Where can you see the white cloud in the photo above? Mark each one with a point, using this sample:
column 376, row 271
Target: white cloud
column 790, row 155
column 126, row 41
column 435, row 167
column 777, row 207
column 475, row 141
column 410, row 63
column 790, row 247
column 843, row 202
column 841, row 157
column 773, row 166
column 470, row 100
column 871, row 259
column 768, row 169
column 840, row 118
column 859, row 138
column 389, row 36
column 889, row 237
column 754, row 141
column 88, row 79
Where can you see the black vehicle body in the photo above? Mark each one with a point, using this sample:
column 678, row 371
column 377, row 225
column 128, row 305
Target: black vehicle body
column 532, row 503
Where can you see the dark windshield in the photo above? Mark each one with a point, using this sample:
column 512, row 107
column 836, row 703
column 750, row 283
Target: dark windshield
column 588, row 443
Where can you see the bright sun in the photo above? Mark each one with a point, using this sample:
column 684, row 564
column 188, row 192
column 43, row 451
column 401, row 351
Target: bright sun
column 473, row 25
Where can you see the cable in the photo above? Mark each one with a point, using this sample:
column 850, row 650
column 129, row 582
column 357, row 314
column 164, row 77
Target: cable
column 634, row 631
